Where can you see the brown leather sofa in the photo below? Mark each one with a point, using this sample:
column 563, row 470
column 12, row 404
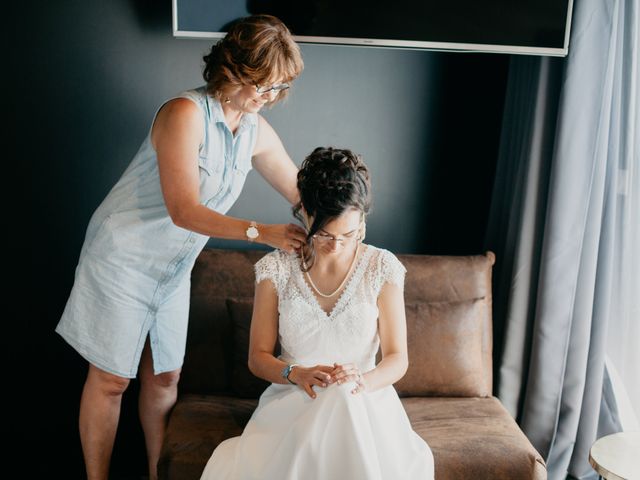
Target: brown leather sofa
column 446, row 391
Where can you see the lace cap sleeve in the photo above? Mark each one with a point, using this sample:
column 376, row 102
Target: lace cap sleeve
column 390, row 270
column 271, row 267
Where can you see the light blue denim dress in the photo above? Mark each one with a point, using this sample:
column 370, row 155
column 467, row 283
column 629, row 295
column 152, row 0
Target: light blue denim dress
column 133, row 276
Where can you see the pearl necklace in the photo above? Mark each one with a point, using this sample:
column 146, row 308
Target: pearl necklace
column 353, row 262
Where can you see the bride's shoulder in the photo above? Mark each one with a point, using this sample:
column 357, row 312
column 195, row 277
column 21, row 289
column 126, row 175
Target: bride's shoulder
column 381, row 256
column 275, row 265
column 276, row 255
column 385, row 266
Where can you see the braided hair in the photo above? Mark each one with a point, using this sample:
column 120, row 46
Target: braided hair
column 331, row 181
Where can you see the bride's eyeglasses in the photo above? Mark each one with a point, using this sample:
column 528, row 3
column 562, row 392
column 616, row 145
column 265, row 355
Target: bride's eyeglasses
column 324, row 238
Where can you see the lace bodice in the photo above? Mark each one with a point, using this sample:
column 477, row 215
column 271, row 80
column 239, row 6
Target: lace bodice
column 349, row 333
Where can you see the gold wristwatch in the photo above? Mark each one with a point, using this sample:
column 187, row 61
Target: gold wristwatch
column 252, row 232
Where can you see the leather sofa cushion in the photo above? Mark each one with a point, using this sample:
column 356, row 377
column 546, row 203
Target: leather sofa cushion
column 444, row 341
column 198, row 423
column 474, row 438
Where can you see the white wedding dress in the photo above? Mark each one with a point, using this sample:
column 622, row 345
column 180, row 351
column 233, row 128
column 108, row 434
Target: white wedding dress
column 338, row 435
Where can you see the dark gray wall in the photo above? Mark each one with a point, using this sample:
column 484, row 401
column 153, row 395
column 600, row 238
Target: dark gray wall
column 87, row 80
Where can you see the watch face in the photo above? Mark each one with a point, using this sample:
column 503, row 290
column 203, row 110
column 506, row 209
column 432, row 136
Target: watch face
column 252, row 232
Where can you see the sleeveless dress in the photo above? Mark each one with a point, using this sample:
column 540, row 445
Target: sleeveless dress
column 133, row 275
column 337, row 435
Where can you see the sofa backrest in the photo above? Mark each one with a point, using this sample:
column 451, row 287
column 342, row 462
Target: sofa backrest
column 448, row 301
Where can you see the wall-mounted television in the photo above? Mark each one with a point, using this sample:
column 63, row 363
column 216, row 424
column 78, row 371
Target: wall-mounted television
column 530, row 27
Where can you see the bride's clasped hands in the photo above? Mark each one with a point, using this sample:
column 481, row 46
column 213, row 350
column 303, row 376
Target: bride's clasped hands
column 325, row 375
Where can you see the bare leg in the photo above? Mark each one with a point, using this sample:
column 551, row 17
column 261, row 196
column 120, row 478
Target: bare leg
column 158, row 395
column 99, row 415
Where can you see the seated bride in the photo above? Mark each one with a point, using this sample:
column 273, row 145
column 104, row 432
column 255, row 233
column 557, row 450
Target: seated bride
column 331, row 412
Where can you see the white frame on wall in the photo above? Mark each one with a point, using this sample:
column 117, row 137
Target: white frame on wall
column 403, row 44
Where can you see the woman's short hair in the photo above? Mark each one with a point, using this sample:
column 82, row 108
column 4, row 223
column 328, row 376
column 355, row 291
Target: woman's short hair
column 257, row 50
column 331, row 181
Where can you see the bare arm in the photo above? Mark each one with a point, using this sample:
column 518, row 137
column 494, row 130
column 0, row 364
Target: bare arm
column 264, row 333
column 392, row 326
column 176, row 136
column 274, row 164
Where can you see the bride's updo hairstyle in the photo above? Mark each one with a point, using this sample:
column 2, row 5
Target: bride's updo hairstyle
column 331, row 181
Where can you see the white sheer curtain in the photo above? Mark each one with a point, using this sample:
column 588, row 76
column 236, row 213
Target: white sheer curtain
column 623, row 336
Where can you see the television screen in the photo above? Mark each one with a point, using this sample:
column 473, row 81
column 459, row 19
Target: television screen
column 534, row 27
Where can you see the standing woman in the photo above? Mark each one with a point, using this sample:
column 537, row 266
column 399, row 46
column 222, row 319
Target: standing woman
column 129, row 304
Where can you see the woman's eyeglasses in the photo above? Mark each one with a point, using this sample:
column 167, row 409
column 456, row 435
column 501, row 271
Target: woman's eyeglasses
column 278, row 87
column 325, row 238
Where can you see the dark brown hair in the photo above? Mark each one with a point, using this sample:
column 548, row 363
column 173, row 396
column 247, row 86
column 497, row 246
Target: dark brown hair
column 331, row 181
column 255, row 51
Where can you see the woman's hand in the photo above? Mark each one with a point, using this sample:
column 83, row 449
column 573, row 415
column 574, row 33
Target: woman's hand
column 288, row 237
column 305, row 378
column 348, row 372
